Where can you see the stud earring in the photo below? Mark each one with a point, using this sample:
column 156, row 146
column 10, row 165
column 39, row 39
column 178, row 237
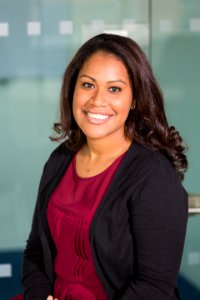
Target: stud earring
column 133, row 106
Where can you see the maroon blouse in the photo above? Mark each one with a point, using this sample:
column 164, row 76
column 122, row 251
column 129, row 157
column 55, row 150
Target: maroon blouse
column 70, row 212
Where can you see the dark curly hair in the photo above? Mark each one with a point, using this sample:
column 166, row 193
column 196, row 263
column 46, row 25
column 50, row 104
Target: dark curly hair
column 147, row 123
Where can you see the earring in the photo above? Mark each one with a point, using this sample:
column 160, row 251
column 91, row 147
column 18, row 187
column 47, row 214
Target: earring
column 133, row 106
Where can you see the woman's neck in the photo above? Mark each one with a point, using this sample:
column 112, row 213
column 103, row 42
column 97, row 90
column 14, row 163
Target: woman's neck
column 97, row 149
column 95, row 156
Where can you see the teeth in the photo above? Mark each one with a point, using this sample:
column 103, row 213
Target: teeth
column 98, row 116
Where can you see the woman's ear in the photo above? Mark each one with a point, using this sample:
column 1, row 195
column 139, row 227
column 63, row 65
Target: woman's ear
column 133, row 105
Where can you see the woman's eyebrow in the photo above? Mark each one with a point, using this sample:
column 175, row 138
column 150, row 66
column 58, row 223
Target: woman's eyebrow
column 117, row 80
column 83, row 75
column 110, row 81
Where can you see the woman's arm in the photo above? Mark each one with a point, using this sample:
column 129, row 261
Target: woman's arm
column 35, row 282
column 37, row 277
column 158, row 223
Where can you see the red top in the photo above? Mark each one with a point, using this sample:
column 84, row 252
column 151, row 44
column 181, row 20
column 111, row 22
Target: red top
column 70, row 211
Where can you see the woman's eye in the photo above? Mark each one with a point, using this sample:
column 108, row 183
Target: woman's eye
column 87, row 85
column 114, row 89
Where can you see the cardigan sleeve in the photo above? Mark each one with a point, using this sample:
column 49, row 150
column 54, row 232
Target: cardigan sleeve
column 35, row 281
column 158, row 223
column 37, row 269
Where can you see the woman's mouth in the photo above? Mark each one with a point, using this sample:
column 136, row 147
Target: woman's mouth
column 97, row 118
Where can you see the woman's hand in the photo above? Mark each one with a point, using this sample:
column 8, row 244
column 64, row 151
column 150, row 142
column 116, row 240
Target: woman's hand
column 51, row 298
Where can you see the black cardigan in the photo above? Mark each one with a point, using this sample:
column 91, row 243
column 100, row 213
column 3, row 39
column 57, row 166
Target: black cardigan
column 137, row 233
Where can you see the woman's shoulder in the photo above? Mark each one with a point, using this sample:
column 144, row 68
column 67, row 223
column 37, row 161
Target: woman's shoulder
column 146, row 154
column 59, row 157
column 152, row 171
column 61, row 152
column 149, row 161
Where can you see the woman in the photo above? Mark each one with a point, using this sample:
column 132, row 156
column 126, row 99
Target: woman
column 111, row 213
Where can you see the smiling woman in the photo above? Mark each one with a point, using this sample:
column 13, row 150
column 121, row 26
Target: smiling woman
column 101, row 104
column 102, row 98
column 111, row 212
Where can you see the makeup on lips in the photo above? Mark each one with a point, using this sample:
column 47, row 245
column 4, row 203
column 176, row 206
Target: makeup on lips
column 96, row 118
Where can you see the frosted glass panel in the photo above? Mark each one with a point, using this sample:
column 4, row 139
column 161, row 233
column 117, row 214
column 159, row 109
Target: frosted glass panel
column 176, row 60
column 37, row 39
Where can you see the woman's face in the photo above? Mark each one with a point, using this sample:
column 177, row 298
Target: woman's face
column 102, row 97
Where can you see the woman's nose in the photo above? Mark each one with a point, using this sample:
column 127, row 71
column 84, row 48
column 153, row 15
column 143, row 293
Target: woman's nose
column 98, row 97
